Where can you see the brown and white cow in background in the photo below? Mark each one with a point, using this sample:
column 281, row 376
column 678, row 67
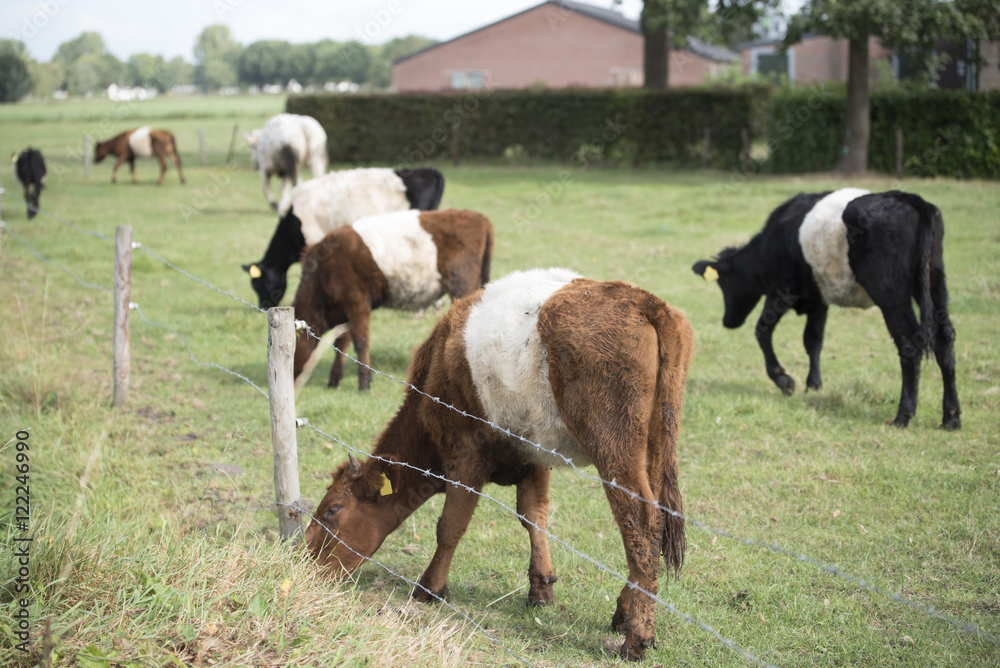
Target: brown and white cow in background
column 339, row 198
column 405, row 260
column 286, row 144
column 593, row 370
column 143, row 142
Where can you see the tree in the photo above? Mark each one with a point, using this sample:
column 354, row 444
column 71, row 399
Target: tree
column 15, row 81
column 666, row 24
column 912, row 24
column 217, row 55
column 87, row 43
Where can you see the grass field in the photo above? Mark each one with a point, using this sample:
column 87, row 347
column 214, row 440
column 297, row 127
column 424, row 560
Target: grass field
column 155, row 536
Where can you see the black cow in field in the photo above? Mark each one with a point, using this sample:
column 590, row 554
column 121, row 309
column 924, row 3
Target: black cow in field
column 30, row 167
column 848, row 248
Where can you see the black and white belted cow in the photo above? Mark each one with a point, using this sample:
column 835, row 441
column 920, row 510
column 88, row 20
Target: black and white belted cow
column 848, row 248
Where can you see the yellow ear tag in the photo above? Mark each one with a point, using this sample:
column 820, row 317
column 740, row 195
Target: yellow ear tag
column 386, row 486
column 710, row 274
column 254, row 271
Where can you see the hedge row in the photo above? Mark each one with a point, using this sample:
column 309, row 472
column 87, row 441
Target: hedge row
column 582, row 125
column 945, row 133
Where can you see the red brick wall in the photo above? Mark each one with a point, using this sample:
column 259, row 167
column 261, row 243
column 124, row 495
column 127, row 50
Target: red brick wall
column 547, row 44
column 818, row 59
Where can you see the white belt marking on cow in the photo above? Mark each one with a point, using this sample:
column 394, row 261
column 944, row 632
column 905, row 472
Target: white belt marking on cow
column 405, row 253
column 823, row 238
column 510, row 367
column 141, row 143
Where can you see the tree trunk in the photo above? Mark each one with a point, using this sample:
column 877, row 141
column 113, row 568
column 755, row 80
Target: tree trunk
column 856, row 134
column 655, row 58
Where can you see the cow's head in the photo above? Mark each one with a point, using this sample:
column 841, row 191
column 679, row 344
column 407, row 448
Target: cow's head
column 739, row 286
column 352, row 519
column 269, row 283
column 101, row 149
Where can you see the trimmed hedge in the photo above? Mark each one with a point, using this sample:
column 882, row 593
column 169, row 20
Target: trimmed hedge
column 945, row 133
column 581, row 125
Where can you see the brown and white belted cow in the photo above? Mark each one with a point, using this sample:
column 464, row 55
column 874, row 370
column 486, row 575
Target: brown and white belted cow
column 592, row 370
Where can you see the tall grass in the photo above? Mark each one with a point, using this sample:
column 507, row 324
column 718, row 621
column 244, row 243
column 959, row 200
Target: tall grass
column 154, row 525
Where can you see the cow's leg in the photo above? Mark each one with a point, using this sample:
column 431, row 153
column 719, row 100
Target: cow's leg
column 163, row 167
column 533, row 507
column 905, row 329
column 337, row 370
column 131, row 167
column 265, row 185
column 114, row 170
column 459, row 504
column 360, row 320
column 812, row 338
column 177, row 163
column 29, row 200
column 774, row 308
column 944, row 350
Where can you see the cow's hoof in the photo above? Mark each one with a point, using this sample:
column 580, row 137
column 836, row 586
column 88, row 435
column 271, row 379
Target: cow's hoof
column 619, row 620
column 333, row 382
column 422, row 594
column 951, row 423
column 635, row 649
column 813, row 384
column 901, row 421
column 540, row 592
column 274, row 206
column 786, row 383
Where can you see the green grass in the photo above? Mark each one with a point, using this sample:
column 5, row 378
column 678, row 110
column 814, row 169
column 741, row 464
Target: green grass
column 155, row 533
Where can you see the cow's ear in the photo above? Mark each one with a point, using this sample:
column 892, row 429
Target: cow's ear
column 706, row 269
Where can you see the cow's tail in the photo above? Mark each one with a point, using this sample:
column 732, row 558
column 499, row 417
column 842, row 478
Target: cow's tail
column 929, row 219
column 484, row 268
column 173, row 149
column 676, row 344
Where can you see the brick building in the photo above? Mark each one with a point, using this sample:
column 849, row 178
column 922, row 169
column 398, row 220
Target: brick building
column 556, row 45
column 818, row 58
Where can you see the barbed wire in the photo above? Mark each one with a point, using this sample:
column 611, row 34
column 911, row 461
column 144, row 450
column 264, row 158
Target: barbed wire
column 599, row 565
column 480, row 627
column 70, row 224
column 38, row 254
column 137, row 309
column 831, row 569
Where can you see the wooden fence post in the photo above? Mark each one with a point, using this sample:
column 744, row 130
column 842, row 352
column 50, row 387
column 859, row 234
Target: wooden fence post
column 86, row 156
column 232, row 143
column 899, row 154
column 706, row 148
column 280, row 356
column 201, row 145
column 123, row 289
column 454, row 144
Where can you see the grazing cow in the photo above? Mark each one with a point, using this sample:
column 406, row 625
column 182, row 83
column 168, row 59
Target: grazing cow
column 594, row 371
column 142, row 142
column 30, row 166
column 847, row 248
column 286, row 144
column 340, row 198
column 404, row 260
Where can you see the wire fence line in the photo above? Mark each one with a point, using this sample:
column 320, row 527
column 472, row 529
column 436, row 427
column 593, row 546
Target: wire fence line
column 34, row 251
column 600, row 566
column 826, row 567
column 439, row 599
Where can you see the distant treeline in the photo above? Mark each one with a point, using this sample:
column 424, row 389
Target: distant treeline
column 83, row 64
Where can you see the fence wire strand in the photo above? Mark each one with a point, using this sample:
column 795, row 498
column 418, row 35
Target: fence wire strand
column 830, row 569
column 71, row 224
column 480, row 627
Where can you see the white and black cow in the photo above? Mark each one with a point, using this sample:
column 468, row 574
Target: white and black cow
column 30, row 167
column 405, row 260
column 337, row 199
column 286, row 144
column 848, row 248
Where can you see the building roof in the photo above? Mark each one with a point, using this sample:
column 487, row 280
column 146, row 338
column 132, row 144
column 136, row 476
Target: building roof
column 609, row 16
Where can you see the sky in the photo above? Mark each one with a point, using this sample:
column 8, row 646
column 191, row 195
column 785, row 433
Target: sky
column 170, row 28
